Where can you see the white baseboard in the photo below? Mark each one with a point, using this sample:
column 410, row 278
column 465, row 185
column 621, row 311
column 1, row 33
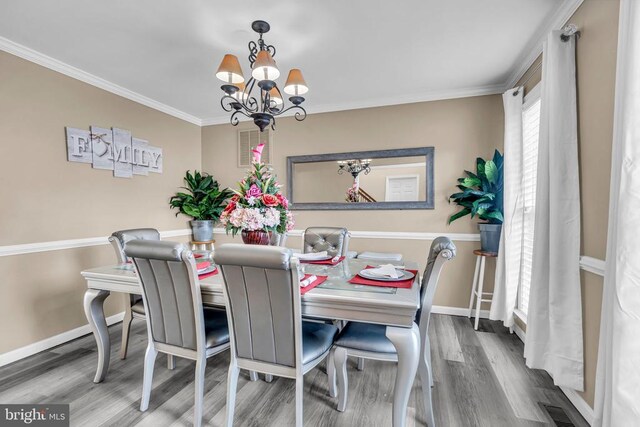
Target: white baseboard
column 581, row 405
column 457, row 311
column 47, row 343
column 576, row 400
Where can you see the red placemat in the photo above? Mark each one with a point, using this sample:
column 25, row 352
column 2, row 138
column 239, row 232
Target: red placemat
column 209, row 274
column 403, row 284
column 325, row 261
column 318, row 281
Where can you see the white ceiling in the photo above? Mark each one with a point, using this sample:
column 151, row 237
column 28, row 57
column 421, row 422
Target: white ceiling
column 353, row 54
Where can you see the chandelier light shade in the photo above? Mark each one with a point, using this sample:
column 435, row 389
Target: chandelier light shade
column 295, row 84
column 265, row 67
column 275, row 96
column 260, row 98
column 229, row 70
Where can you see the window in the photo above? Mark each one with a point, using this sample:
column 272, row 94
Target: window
column 530, row 130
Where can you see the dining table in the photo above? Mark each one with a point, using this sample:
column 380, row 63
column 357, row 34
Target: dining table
column 334, row 299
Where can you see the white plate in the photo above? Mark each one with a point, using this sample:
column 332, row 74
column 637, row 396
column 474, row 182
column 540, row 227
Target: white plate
column 316, row 259
column 207, row 270
column 403, row 275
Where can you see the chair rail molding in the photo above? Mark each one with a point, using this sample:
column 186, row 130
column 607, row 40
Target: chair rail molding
column 57, row 245
column 592, row 265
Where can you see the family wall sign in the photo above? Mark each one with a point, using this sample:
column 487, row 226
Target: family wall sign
column 113, row 149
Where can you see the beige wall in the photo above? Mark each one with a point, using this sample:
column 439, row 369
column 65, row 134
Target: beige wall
column 596, row 67
column 46, row 198
column 460, row 130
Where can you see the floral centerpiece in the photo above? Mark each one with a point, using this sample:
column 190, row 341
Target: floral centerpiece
column 257, row 209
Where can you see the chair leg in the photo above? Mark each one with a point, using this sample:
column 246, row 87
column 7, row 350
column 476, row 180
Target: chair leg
column 149, row 362
column 268, row 378
column 426, row 377
column 126, row 327
column 201, row 365
column 427, row 355
column 253, row 376
column 331, row 374
column 340, row 360
column 360, row 364
column 171, row 362
column 299, row 398
column 232, row 385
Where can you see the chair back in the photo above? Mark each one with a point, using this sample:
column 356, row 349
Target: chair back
column 120, row 238
column 278, row 239
column 171, row 292
column 442, row 250
column 334, row 240
column 263, row 297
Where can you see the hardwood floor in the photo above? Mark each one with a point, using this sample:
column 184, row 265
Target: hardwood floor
column 480, row 380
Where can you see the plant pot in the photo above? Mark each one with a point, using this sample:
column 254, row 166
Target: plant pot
column 256, row 237
column 202, row 230
column 490, row 237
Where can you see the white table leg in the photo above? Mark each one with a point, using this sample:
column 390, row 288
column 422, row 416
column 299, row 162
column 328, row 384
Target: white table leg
column 479, row 292
column 407, row 344
column 94, row 310
column 474, row 285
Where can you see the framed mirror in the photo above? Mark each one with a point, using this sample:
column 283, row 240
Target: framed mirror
column 382, row 179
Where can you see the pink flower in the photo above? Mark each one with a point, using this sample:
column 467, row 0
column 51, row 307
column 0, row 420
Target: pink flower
column 283, row 201
column 270, row 200
column 254, row 191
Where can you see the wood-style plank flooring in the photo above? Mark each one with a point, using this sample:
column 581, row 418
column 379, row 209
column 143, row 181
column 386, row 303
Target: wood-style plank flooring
column 480, row 380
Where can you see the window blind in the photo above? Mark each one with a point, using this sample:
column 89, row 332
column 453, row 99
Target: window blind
column 530, row 129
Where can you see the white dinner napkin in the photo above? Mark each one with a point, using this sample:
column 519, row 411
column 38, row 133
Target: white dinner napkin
column 313, row 256
column 306, row 282
column 385, row 270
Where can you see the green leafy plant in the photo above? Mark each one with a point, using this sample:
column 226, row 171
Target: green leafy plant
column 204, row 200
column 481, row 192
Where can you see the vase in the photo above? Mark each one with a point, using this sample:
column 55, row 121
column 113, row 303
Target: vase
column 489, row 237
column 202, row 230
column 255, row 237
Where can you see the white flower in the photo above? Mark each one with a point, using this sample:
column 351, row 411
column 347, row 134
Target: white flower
column 251, row 200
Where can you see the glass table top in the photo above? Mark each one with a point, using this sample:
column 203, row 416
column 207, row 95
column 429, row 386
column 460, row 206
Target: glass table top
column 339, row 276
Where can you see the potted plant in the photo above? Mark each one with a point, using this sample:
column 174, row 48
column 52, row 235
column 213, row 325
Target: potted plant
column 203, row 202
column 481, row 196
column 257, row 209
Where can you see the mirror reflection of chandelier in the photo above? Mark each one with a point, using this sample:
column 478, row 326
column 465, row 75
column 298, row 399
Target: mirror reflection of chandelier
column 354, row 167
column 267, row 102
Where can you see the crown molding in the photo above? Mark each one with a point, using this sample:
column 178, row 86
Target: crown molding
column 78, row 74
column 523, row 63
column 534, row 48
column 382, row 102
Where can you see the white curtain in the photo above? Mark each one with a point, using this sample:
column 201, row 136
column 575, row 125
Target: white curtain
column 617, row 401
column 554, row 320
column 505, row 289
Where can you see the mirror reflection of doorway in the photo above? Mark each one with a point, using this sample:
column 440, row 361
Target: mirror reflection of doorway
column 402, row 188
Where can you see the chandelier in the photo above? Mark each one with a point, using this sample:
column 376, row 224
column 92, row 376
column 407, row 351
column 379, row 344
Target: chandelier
column 354, row 167
column 267, row 102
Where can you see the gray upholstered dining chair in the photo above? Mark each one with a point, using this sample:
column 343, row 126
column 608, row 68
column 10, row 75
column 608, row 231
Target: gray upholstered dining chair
column 177, row 323
column 334, row 240
column 133, row 306
column 369, row 341
column 263, row 308
column 278, row 239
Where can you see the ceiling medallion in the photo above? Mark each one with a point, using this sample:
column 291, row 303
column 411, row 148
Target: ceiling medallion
column 267, row 102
